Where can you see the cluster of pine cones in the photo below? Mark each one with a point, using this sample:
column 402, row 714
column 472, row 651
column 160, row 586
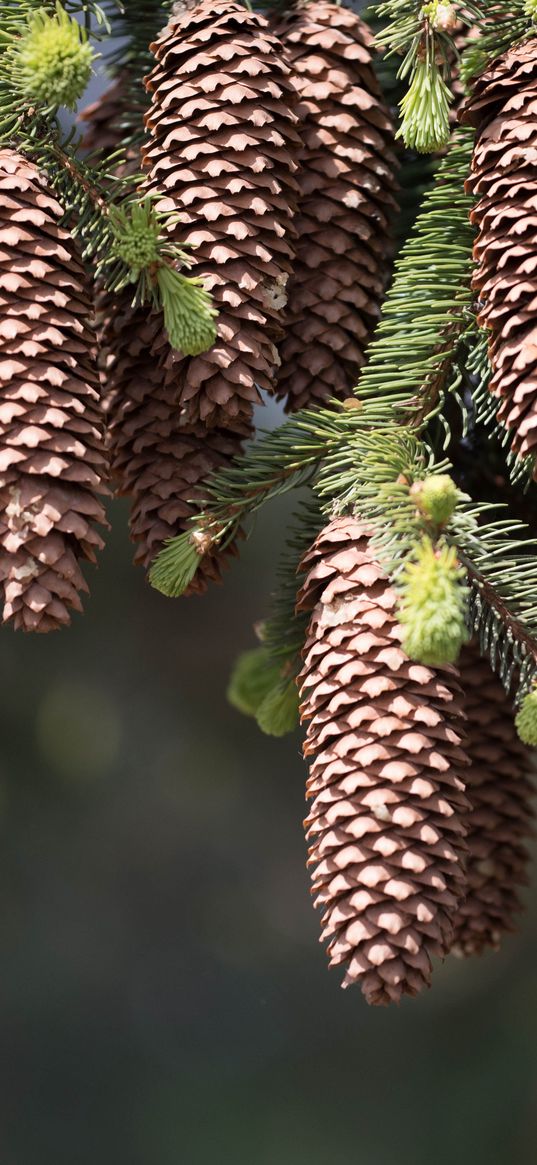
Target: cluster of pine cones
column 272, row 140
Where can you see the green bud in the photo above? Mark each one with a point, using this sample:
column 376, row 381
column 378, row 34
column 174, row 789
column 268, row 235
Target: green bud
column 137, row 231
column 530, row 9
column 437, row 498
column 278, row 713
column 52, row 63
column 441, row 16
column 175, row 566
column 433, row 605
column 252, row 678
column 526, row 720
column 425, row 110
column 189, row 316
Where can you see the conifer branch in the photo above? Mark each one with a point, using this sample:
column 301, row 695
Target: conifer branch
column 429, row 303
column 276, row 463
column 502, row 570
column 501, row 24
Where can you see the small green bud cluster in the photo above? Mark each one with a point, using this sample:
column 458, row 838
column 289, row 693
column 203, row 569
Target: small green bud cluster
column 441, row 16
column 436, row 497
column 137, row 237
column 433, row 605
column 52, row 63
column 526, row 720
column 531, row 9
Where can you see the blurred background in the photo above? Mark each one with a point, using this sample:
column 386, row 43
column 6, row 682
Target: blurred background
column 163, row 995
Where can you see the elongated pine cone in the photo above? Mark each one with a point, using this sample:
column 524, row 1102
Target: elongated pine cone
column 102, row 119
column 503, row 108
column 500, row 793
column 161, row 464
column 222, row 152
column 346, row 179
column 387, row 820
column 52, row 464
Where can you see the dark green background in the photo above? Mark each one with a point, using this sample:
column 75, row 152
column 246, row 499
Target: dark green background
column 163, row 997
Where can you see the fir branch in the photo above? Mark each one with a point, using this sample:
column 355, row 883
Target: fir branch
column 276, row 463
column 501, row 24
column 502, row 571
column 428, row 305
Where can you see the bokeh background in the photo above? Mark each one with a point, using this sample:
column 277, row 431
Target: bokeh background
column 163, row 996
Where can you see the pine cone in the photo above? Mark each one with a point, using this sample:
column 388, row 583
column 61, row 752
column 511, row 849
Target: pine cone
column 52, row 463
column 102, row 119
column 502, row 108
column 500, row 819
column 223, row 153
column 346, row 180
column 386, row 824
column 159, row 463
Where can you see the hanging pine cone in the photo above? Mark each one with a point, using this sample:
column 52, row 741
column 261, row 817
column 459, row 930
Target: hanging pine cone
column 108, row 119
column 51, row 434
column 159, row 463
column 386, row 824
column 102, row 120
column 504, row 178
column 346, row 180
column 222, row 152
column 499, row 823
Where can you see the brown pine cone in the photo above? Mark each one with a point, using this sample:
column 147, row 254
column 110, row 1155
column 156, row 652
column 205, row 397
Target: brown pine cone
column 161, row 464
column 346, row 179
column 502, row 108
column 387, row 819
column 222, row 152
column 52, row 462
column 102, row 119
column 500, row 794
